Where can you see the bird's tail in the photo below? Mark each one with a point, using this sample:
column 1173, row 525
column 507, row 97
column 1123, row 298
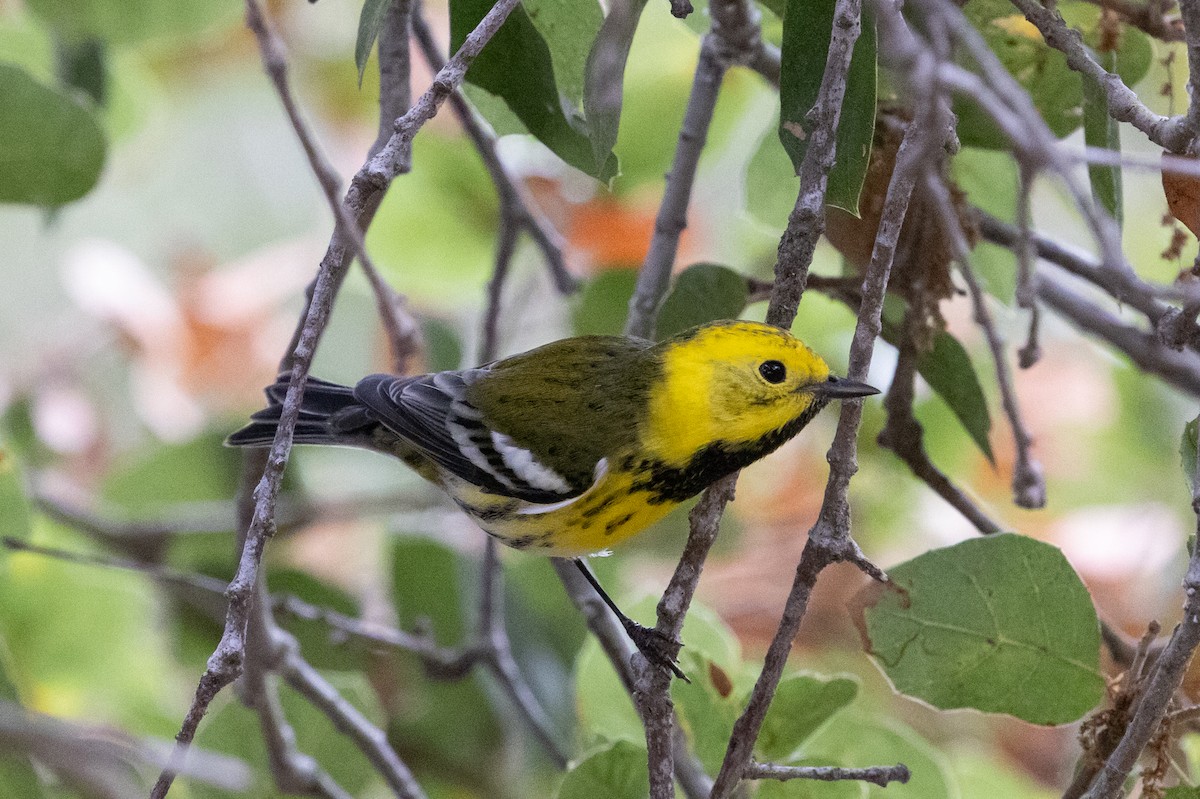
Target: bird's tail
column 329, row 414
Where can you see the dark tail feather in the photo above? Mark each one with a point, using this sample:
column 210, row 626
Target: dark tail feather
column 329, row 414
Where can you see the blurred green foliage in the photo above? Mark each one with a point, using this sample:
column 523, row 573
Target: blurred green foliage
column 150, row 126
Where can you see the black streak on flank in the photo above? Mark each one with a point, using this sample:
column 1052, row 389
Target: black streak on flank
column 617, row 524
column 675, row 484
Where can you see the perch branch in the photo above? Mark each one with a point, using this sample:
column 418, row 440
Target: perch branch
column 365, row 191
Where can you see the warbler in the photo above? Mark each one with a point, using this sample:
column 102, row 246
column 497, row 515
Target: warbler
column 575, row 446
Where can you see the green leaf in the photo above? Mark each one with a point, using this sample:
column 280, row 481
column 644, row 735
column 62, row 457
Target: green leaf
column 1187, row 451
column 1101, row 130
column 605, row 710
column 516, row 65
column 1182, row 792
column 603, row 91
column 443, row 348
column 948, row 370
column 771, row 184
column 370, row 20
column 989, row 177
column 83, row 65
column 702, row 293
column 706, row 716
column 603, row 304
column 1001, row 624
column 801, row 705
column 159, row 476
column 53, row 147
column 426, row 588
column 14, row 506
column 1056, row 90
column 618, row 772
column 1135, row 50
column 134, row 20
column 807, row 28
column 569, row 28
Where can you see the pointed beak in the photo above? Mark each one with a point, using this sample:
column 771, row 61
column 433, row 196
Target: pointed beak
column 841, row 388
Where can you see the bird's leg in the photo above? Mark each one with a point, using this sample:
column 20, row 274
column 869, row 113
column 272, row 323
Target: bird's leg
column 655, row 646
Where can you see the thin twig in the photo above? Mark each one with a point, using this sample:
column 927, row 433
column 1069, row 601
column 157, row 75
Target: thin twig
column 1170, row 133
column 1164, row 680
column 347, row 719
column 163, row 574
column 1180, row 369
column 877, row 775
column 807, row 219
column 518, row 210
column 365, row 190
column 1031, row 353
column 1004, row 99
column 904, row 435
column 829, row 539
column 292, row 771
column 655, row 274
column 404, row 334
column 1029, row 483
column 1127, row 289
column 1148, row 17
column 620, row 651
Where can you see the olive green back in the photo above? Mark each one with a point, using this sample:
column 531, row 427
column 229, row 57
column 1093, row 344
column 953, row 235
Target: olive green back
column 542, row 398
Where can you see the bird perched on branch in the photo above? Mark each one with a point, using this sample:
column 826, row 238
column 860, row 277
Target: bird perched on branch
column 573, row 447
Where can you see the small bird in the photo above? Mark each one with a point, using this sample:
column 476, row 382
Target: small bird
column 573, row 447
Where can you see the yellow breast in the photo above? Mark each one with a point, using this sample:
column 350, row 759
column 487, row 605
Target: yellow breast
column 602, row 517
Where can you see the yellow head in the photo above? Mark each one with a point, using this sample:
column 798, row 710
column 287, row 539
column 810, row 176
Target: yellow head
column 737, row 383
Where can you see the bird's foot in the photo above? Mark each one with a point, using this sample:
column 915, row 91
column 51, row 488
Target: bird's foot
column 658, row 648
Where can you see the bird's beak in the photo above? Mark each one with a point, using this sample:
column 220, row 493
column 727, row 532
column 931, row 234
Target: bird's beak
column 841, row 388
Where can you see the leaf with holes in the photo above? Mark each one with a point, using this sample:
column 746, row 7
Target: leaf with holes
column 1001, row 624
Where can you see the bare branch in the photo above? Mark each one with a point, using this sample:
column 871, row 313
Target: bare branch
column 877, row 775
column 829, row 539
column 364, row 194
column 349, row 720
column 620, row 651
column 806, row 222
column 1164, row 680
column 904, row 435
column 404, row 334
column 1181, row 369
column 518, row 211
column 1149, row 17
column 655, row 274
column 1127, row 289
column 292, row 771
column 1170, row 133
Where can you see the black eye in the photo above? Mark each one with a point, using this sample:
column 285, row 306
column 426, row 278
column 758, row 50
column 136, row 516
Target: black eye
column 773, row 371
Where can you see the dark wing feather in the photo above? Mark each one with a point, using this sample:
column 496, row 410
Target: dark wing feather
column 432, row 412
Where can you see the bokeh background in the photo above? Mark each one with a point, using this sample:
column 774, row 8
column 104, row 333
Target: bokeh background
column 138, row 325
